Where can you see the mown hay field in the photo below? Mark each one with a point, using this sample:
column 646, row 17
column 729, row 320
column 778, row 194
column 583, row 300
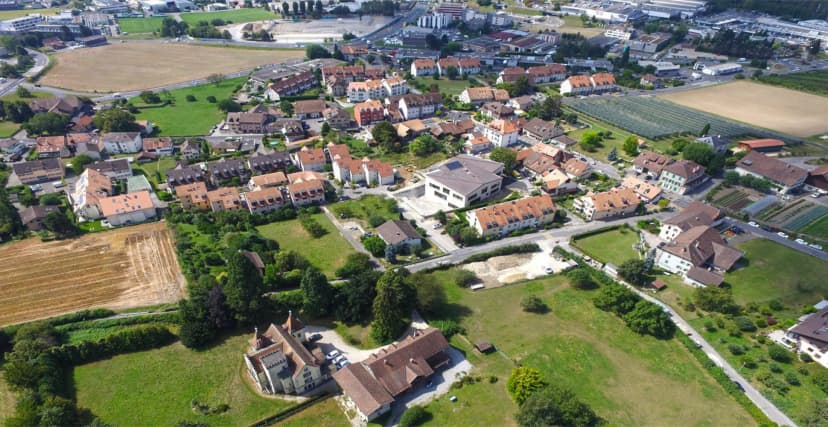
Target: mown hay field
column 119, row 269
column 793, row 112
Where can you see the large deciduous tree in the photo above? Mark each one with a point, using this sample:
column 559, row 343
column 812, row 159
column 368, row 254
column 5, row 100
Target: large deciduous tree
column 317, row 293
column 396, row 297
column 244, row 288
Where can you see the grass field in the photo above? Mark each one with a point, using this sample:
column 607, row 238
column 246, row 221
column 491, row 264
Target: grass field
column 12, row 96
column 140, row 25
column 236, row 16
column 11, row 14
column 628, row 379
column 451, row 87
column 183, row 118
column 792, row 112
column 324, row 414
column 573, row 24
column 7, row 399
column 326, row 253
column 8, row 129
column 161, row 165
column 123, row 268
column 774, row 271
column 137, row 65
column 818, row 228
column 613, row 246
column 365, row 207
column 118, row 390
column 615, row 141
column 810, row 81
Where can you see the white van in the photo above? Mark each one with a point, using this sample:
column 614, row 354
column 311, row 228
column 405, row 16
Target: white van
column 477, row 287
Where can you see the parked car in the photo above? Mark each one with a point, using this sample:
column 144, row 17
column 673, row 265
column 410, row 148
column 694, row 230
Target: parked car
column 739, row 386
column 548, row 270
column 332, row 355
column 339, row 359
column 815, row 246
column 438, row 226
column 782, row 235
column 801, row 242
column 753, row 224
column 343, row 364
column 315, row 337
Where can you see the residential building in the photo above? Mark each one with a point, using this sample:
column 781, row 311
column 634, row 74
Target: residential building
column 265, row 200
column 414, row 106
column 122, row 142
column 52, row 146
column 576, row 168
column 363, row 91
column 372, row 385
column 369, row 112
column 504, row 218
column 33, row 216
column 496, row 110
column 547, row 73
column 785, row 176
column 512, row 74
column 556, row 182
column 694, row 215
column 577, row 85
column 477, row 144
column 423, row 67
column 463, row 181
column 682, row 176
column 538, row 162
column 225, row 170
column 162, row 146
column 395, row 86
column 86, row 144
column 290, row 86
column 306, row 192
column 603, row 82
column 270, row 180
column 118, row 169
column 453, row 128
column 309, row 109
column 541, row 131
column 718, row 143
column 613, row 203
column 352, row 52
column 647, row 192
column 766, row 145
column 278, row 362
column 67, row 105
column 190, row 150
column 224, row 199
column 337, row 118
column 410, row 128
column 293, row 130
column 521, row 103
column 311, row 159
column 700, row 246
column 502, row 133
column 378, row 172
column 181, row 175
column 481, row 95
column 818, row 179
column 36, row 171
column 265, row 163
column 400, row 234
column 434, row 20
column 348, row 169
column 350, row 73
column 811, row 336
column 651, row 163
column 193, row 195
column 244, row 122
column 130, row 208
column 89, row 189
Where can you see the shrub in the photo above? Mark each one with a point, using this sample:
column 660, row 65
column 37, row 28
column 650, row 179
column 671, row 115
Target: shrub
column 190, row 98
column 414, row 416
column 533, row 304
column 709, row 326
column 792, row 379
column 749, row 363
column 821, row 380
column 761, row 323
column 376, row 220
column 506, row 250
column 744, row 323
column 448, row 327
column 779, row 354
column 803, row 371
column 464, row 278
column 312, row 226
column 736, row 349
column 581, row 279
column 524, row 381
column 775, row 368
column 211, row 99
column 805, row 357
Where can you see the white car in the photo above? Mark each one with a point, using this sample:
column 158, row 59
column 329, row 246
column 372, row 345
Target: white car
column 782, row 235
column 801, row 242
column 753, row 224
column 815, row 195
column 815, row 246
column 548, row 270
column 332, row 355
column 339, row 359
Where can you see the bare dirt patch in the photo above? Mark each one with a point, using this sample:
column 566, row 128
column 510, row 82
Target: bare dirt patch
column 310, row 31
column 784, row 110
column 118, row 269
column 144, row 65
column 503, row 270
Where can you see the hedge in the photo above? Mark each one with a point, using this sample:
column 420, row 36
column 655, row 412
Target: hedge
column 131, row 340
column 506, row 250
column 167, row 317
column 78, row 316
column 279, row 416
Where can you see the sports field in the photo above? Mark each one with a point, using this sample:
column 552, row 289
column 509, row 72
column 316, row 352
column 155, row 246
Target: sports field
column 143, row 65
column 784, row 110
column 234, row 16
column 140, row 25
column 123, row 268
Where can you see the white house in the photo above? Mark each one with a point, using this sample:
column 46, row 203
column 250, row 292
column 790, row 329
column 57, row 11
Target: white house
column 503, row 218
column 463, row 181
column 130, row 208
column 811, row 335
column 502, row 133
column 577, row 85
column 423, row 67
column 414, row 106
column 90, row 187
column 395, row 86
column 122, row 142
column 695, row 214
column 700, row 246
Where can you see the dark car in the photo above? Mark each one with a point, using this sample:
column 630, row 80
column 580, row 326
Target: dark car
column 739, row 386
column 315, row 337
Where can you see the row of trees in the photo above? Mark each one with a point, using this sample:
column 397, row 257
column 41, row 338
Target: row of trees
column 302, row 8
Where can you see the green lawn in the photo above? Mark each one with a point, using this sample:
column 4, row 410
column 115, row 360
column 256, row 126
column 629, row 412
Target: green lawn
column 140, row 25
column 818, row 228
column 161, row 165
column 183, row 118
column 773, row 271
column 7, row 399
column 451, row 87
column 613, row 246
column 628, row 379
column 324, row 414
column 365, row 207
column 8, row 128
column 326, row 253
column 236, row 16
column 12, row 96
column 156, row 387
column 615, row 141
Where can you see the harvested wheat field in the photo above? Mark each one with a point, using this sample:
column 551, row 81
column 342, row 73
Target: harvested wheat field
column 784, row 110
column 143, row 65
column 123, row 268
